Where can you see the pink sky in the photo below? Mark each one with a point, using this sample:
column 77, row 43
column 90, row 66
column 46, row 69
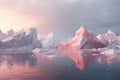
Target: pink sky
column 63, row 16
column 18, row 14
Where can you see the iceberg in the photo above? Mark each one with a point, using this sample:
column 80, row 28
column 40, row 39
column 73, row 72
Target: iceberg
column 20, row 42
column 82, row 40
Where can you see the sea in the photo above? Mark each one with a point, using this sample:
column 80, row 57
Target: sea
column 58, row 66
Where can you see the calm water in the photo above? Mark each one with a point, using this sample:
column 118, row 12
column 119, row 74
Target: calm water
column 73, row 66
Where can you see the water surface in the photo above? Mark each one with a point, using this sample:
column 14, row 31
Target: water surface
column 74, row 66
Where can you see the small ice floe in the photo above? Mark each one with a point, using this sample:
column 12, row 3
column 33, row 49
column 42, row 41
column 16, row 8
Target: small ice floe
column 36, row 50
column 110, row 54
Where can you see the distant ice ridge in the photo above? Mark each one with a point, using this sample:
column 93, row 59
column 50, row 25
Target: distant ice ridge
column 52, row 40
column 5, row 35
column 110, row 39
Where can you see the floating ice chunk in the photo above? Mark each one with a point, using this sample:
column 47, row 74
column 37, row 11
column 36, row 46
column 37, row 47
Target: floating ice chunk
column 109, row 53
column 36, row 50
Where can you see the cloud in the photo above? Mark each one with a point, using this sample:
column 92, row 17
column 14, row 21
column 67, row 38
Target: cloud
column 66, row 16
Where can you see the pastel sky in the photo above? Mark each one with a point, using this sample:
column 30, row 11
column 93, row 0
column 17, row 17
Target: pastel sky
column 63, row 16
